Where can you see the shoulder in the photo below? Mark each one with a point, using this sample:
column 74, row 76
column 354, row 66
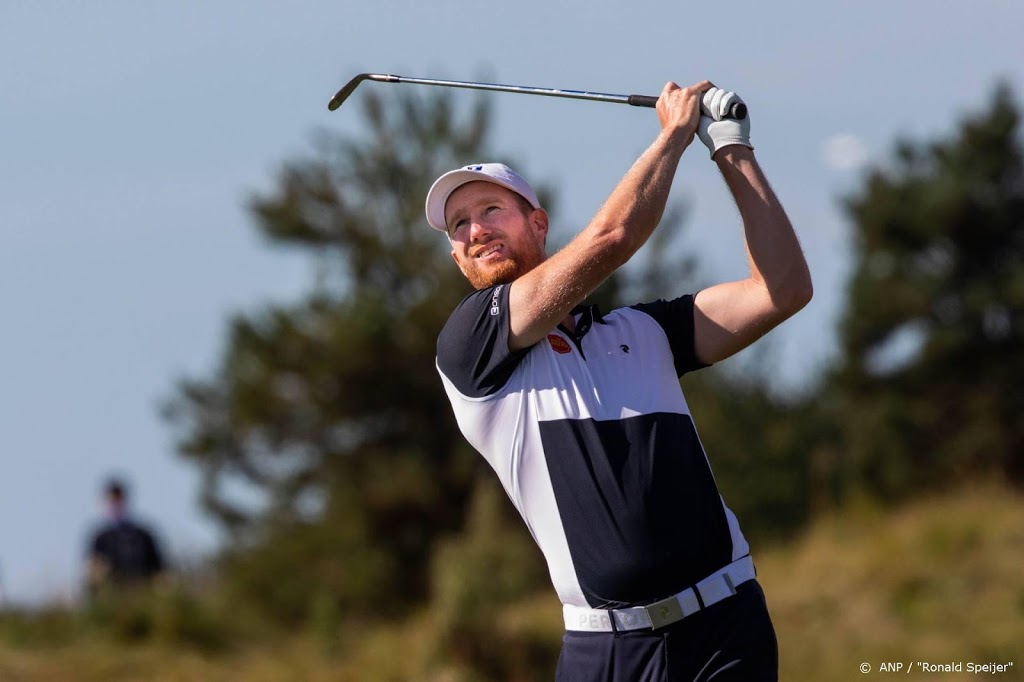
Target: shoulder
column 472, row 348
column 474, row 311
column 99, row 530
column 102, row 534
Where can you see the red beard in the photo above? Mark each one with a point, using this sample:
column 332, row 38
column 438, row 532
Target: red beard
column 504, row 272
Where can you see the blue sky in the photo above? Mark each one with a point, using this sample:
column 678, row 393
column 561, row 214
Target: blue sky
column 132, row 134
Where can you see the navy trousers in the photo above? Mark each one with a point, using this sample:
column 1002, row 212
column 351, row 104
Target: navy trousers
column 730, row 641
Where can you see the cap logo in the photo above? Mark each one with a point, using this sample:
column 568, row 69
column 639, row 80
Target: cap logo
column 558, row 344
column 474, row 168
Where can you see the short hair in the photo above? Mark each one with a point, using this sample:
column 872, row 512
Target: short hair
column 524, row 204
column 116, row 488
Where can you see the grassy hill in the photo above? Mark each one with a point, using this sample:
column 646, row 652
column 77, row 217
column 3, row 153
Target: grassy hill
column 939, row 581
column 936, row 581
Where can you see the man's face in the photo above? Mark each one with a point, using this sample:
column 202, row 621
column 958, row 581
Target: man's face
column 493, row 241
column 114, row 503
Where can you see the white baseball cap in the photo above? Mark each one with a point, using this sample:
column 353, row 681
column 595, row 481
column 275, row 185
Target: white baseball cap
column 498, row 173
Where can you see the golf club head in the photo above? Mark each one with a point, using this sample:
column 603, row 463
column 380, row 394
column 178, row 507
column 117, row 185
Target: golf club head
column 349, row 88
column 344, row 93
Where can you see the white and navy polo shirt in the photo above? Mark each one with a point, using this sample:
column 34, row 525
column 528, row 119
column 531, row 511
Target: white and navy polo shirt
column 593, row 441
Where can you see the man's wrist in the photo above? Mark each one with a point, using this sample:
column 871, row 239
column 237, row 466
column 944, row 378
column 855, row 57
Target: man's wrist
column 734, row 154
column 675, row 139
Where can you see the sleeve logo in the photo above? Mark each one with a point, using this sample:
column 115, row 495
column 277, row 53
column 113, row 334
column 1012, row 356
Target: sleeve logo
column 494, row 300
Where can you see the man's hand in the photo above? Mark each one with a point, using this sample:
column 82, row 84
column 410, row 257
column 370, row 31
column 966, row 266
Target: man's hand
column 714, row 129
column 679, row 109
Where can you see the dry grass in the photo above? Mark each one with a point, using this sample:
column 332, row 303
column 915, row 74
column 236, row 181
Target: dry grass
column 936, row 581
column 940, row 580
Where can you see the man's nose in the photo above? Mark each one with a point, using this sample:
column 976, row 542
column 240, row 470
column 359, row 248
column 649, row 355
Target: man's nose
column 478, row 229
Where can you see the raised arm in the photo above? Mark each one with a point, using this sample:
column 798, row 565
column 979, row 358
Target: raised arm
column 729, row 317
column 543, row 297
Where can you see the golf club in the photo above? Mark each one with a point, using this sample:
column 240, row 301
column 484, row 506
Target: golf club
column 738, row 110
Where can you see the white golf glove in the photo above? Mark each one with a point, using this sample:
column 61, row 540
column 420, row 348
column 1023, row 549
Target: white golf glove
column 714, row 130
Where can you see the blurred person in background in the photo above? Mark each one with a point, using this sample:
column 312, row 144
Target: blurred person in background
column 121, row 552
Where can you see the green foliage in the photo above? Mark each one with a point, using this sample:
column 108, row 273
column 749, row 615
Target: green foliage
column 170, row 613
column 929, row 387
column 489, row 565
column 48, row 626
column 478, row 575
column 327, row 413
column 167, row 613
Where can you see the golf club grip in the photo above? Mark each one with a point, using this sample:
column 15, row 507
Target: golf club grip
column 738, row 110
column 642, row 101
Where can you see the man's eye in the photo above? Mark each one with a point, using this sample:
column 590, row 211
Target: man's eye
column 492, row 208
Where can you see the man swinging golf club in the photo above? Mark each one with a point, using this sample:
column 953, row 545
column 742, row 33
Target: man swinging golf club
column 580, row 411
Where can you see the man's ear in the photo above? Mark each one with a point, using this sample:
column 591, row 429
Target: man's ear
column 539, row 222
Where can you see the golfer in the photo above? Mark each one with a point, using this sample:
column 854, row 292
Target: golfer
column 580, row 412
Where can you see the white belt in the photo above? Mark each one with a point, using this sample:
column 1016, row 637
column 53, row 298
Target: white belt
column 718, row 586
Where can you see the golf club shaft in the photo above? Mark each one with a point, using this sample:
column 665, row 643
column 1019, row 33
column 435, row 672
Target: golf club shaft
column 738, row 112
column 549, row 92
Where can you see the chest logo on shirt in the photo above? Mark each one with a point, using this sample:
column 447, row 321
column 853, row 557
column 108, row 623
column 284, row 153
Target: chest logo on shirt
column 558, row 344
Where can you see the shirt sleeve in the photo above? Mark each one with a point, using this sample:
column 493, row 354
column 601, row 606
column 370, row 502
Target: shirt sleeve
column 676, row 319
column 472, row 349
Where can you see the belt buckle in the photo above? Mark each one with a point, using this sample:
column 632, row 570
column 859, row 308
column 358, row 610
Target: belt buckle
column 664, row 612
